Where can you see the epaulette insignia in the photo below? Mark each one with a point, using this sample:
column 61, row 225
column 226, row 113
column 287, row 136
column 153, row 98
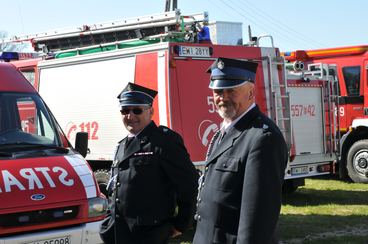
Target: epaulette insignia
column 143, row 140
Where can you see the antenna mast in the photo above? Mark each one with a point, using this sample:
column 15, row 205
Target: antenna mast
column 168, row 5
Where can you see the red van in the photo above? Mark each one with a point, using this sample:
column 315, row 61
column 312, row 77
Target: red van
column 48, row 193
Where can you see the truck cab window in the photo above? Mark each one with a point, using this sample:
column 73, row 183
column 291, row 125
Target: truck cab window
column 352, row 80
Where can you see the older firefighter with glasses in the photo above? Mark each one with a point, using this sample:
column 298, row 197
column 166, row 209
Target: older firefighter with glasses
column 154, row 183
column 240, row 191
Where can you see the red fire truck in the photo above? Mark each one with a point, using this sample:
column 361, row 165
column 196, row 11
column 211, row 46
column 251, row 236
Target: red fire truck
column 47, row 190
column 81, row 81
column 347, row 66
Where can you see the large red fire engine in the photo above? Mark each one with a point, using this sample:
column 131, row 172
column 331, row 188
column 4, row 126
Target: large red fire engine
column 91, row 64
column 347, row 66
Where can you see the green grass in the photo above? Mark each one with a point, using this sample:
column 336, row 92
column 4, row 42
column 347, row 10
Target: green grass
column 323, row 211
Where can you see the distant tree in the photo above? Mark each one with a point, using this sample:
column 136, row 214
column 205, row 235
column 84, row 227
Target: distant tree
column 3, row 34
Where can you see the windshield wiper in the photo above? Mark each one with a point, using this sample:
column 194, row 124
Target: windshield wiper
column 37, row 146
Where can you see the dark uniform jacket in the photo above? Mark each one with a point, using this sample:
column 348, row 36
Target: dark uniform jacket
column 240, row 196
column 154, row 176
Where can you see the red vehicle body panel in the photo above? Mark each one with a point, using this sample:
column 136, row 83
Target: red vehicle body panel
column 30, row 176
column 193, row 112
column 12, row 80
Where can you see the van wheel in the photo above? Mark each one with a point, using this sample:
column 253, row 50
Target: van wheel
column 357, row 162
column 102, row 177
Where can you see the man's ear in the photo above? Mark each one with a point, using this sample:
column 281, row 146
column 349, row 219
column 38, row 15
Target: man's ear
column 251, row 92
column 151, row 111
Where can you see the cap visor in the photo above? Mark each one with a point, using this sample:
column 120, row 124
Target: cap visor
column 226, row 84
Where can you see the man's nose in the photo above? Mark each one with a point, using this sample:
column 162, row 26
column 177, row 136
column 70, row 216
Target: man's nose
column 224, row 95
column 129, row 115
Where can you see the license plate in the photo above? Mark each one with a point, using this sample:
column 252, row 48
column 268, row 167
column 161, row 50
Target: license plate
column 299, row 170
column 57, row 240
column 192, row 51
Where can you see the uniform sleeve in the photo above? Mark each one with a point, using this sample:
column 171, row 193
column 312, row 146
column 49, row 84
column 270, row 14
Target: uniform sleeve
column 184, row 177
column 262, row 189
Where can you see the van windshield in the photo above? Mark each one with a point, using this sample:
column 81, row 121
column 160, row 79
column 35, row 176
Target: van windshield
column 25, row 120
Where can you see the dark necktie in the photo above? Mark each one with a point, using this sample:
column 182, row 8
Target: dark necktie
column 222, row 135
column 128, row 141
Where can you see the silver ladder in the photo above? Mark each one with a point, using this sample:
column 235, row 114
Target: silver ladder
column 145, row 27
column 280, row 99
column 331, row 98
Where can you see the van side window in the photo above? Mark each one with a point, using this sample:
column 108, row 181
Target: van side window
column 30, row 75
column 352, row 80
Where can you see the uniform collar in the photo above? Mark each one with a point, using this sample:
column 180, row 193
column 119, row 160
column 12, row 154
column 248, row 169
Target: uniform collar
column 232, row 133
column 145, row 129
column 140, row 140
column 226, row 126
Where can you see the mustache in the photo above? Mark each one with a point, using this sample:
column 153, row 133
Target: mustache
column 225, row 104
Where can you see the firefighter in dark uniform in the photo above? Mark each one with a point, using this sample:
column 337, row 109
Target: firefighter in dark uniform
column 240, row 191
column 154, row 184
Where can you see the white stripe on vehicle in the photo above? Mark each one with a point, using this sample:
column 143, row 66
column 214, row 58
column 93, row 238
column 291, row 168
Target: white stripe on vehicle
column 161, row 85
column 84, row 173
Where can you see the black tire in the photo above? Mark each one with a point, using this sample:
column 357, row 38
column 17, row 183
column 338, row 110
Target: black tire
column 289, row 187
column 357, row 162
column 102, row 177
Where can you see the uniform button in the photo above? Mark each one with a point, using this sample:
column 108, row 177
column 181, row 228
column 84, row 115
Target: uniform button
column 224, row 165
column 203, row 184
column 120, row 169
column 117, row 216
column 118, row 184
column 199, row 200
column 196, row 217
column 199, row 217
column 117, row 200
column 206, row 169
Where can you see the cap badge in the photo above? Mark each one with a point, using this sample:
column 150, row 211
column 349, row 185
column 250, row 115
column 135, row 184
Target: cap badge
column 220, row 65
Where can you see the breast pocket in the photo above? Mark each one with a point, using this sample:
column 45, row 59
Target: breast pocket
column 142, row 167
column 226, row 175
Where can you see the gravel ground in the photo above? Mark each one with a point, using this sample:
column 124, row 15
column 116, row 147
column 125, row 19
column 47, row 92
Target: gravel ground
column 348, row 231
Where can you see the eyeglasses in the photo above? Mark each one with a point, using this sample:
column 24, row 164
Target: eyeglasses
column 136, row 111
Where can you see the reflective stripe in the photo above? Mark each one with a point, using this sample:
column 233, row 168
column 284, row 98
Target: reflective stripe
column 84, row 173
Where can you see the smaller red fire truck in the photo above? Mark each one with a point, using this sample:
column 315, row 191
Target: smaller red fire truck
column 348, row 68
column 47, row 190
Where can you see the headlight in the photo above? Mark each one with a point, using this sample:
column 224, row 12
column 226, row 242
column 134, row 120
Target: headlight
column 97, row 207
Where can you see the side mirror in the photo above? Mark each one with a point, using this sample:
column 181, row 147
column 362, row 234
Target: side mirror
column 81, row 143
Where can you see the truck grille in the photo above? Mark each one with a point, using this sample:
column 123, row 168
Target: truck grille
column 38, row 216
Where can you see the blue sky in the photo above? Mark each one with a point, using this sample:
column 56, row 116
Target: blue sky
column 293, row 24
